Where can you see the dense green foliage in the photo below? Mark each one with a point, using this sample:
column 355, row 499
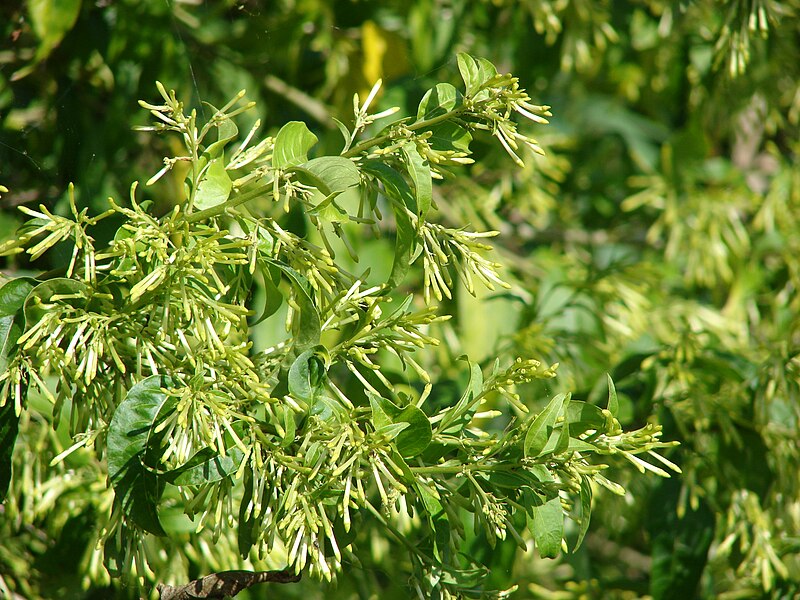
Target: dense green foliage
column 656, row 241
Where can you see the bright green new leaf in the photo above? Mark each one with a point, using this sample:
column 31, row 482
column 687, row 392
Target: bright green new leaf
column 613, row 401
column 475, row 72
column 413, row 439
column 226, row 131
column 545, row 517
column 215, row 187
column 439, row 100
column 539, row 431
column 449, row 136
column 292, row 144
column 344, row 131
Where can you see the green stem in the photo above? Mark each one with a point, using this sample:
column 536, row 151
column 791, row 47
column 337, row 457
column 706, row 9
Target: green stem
column 217, row 210
column 456, row 469
column 377, row 141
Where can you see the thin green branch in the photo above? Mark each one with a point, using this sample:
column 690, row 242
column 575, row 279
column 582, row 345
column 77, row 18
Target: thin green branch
column 378, row 140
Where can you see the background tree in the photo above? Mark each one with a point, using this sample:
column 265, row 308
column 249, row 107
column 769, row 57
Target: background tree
column 655, row 241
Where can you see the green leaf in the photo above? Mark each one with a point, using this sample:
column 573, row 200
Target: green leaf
column 272, row 295
column 586, row 510
column 129, row 445
column 12, row 319
column 206, row 466
column 555, row 443
column 563, row 440
column 9, row 427
column 71, row 291
column 292, row 144
column 396, row 189
column 339, row 180
column 226, row 131
column 475, row 72
column 329, row 409
column 133, row 422
column 547, row 527
column 308, row 373
column 244, row 532
column 449, row 136
column 539, row 431
column 414, row 438
column 613, row 401
column 430, row 499
column 51, row 21
column 545, row 517
column 439, row 100
column 344, row 131
column 460, row 416
column 679, row 544
column 382, row 411
column 215, row 187
column 465, row 578
column 583, row 416
column 306, row 327
column 391, row 430
column 420, row 171
column 13, row 295
column 331, row 173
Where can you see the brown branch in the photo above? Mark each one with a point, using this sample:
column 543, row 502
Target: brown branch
column 224, row 584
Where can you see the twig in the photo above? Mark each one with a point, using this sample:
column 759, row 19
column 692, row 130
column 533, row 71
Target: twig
column 312, row 106
column 224, row 584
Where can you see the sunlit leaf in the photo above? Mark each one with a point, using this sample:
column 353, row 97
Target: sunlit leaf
column 215, row 187
column 613, row 401
column 475, row 72
column 439, row 100
column 292, row 144
column 414, row 438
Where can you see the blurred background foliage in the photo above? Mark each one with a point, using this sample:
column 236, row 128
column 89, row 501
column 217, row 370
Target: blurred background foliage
column 658, row 241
